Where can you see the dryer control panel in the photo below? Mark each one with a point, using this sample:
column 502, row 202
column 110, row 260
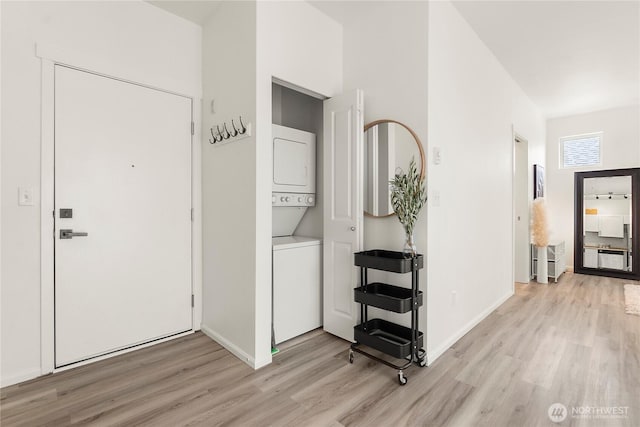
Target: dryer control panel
column 293, row 199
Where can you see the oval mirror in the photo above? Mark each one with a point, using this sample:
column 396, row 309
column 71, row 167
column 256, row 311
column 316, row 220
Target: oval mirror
column 388, row 145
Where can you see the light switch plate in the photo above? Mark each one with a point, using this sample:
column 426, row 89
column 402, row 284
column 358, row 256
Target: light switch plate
column 436, row 156
column 435, row 198
column 25, row 196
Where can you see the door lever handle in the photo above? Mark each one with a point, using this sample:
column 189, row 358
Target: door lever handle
column 69, row 234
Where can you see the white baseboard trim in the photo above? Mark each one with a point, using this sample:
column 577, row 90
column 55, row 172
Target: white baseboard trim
column 123, row 351
column 29, row 375
column 261, row 363
column 234, row 349
column 434, row 354
column 20, row 377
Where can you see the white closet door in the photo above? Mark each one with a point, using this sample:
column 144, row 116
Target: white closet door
column 123, row 166
column 343, row 209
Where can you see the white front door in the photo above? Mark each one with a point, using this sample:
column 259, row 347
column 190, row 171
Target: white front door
column 123, row 177
column 343, row 209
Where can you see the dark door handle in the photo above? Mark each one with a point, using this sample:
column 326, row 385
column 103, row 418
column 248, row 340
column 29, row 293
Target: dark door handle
column 69, row 234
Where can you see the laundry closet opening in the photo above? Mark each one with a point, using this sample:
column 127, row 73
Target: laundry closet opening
column 297, row 213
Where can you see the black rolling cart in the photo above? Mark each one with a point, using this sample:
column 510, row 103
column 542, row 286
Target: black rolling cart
column 390, row 338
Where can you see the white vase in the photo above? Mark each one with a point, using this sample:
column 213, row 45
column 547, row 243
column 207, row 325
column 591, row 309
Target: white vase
column 542, row 275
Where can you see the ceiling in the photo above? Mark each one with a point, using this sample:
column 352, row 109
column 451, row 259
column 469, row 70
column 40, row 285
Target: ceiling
column 337, row 10
column 604, row 185
column 194, row 11
column 569, row 57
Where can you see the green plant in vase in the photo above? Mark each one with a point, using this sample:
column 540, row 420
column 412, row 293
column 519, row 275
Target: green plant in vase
column 408, row 196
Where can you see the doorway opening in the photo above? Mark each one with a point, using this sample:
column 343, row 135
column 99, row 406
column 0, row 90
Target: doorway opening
column 317, row 231
column 296, row 228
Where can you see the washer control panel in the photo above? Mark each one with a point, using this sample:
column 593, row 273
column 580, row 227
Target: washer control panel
column 293, row 199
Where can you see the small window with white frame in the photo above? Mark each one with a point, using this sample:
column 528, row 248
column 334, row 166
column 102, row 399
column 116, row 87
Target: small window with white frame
column 581, row 150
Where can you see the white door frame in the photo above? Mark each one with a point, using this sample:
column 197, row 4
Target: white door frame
column 517, row 139
column 51, row 56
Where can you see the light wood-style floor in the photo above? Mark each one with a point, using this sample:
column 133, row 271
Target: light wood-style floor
column 569, row 343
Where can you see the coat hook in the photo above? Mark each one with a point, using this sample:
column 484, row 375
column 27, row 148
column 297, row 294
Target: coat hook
column 221, row 133
column 226, row 133
column 235, row 131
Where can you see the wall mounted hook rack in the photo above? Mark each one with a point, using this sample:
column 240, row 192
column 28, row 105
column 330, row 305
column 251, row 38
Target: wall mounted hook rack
column 220, row 134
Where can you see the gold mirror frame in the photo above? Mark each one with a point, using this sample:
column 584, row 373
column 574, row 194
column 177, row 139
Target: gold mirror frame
column 420, row 149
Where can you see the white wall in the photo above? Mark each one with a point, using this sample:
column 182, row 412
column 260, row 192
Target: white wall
column 387, row 59
column 620, row 149
column 229, row 180
column 448, row 87
column 295, row 43
column 127, row 39
column 473, row 104
column 299, row 45
column 606, row 206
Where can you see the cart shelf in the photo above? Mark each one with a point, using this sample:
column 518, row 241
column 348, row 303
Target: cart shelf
column 387, row 337
column 387, row 297
column 395, row 262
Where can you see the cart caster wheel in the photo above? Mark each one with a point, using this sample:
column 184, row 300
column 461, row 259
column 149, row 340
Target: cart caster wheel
column 350, row 356
column 402, row 379
column 422, row 362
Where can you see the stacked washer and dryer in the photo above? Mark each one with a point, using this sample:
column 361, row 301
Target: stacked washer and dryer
column 297, row 260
